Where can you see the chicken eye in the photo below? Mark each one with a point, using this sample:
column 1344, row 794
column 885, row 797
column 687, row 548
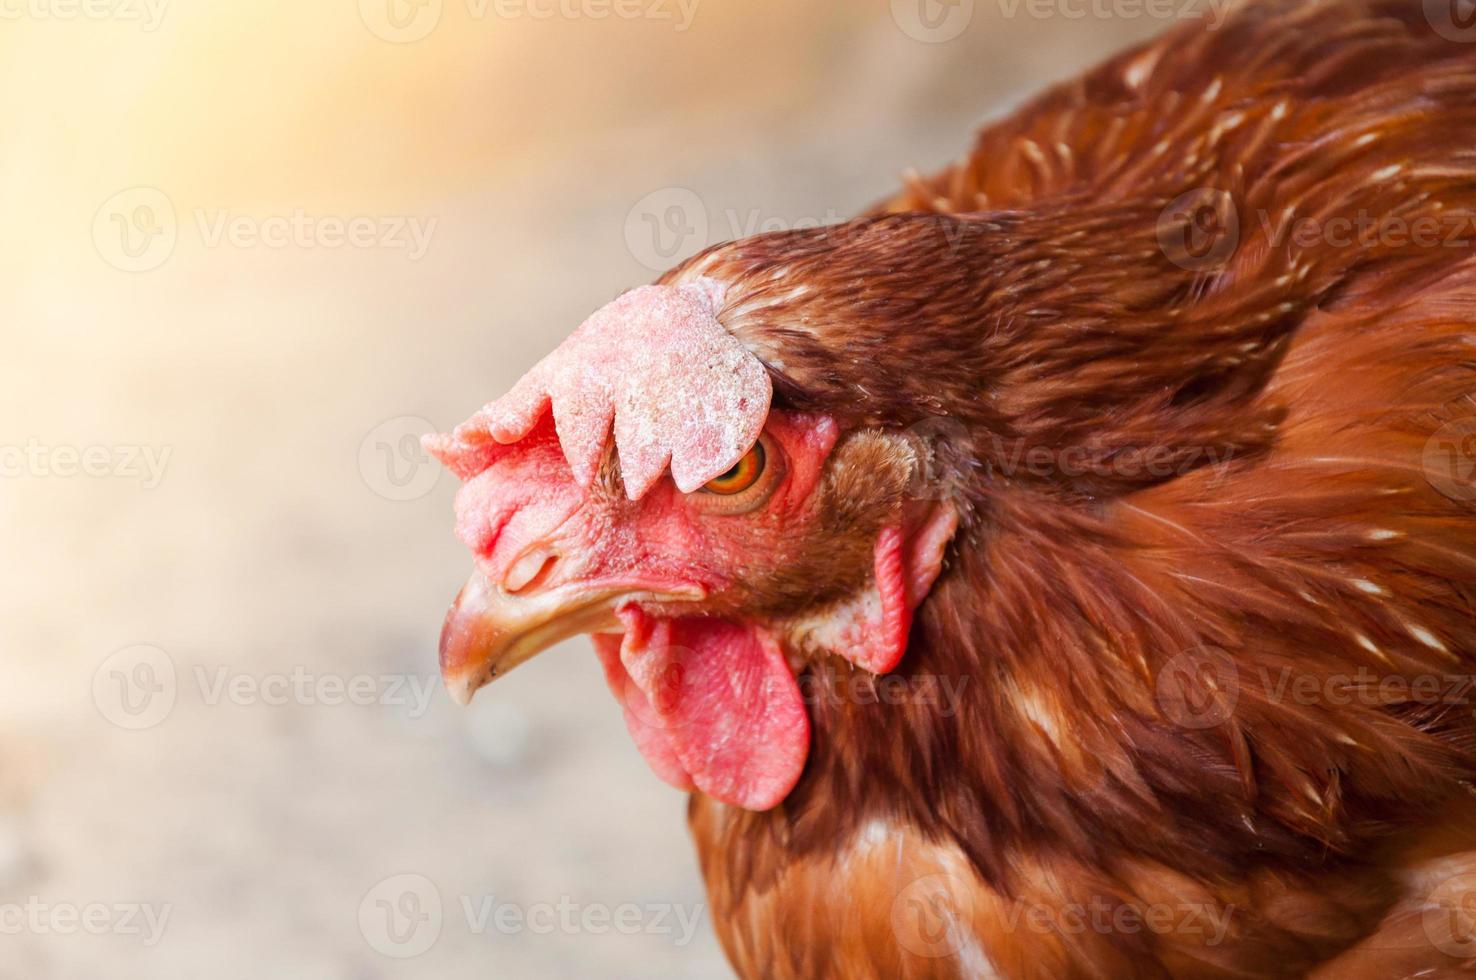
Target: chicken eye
column 744, row 474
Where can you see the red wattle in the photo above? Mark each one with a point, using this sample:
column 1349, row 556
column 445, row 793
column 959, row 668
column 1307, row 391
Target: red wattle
column 710, row 704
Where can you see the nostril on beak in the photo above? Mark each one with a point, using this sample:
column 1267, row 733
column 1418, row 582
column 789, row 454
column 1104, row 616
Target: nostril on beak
column 529, row 571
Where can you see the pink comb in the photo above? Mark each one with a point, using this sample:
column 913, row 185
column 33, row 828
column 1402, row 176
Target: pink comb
column 678, row 388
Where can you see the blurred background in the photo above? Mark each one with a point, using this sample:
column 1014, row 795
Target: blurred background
column 252, row 250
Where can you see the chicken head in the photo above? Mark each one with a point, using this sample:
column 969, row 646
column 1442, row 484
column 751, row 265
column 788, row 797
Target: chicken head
column 711, row 548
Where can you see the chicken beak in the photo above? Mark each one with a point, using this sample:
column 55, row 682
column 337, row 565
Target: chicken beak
column 488, row 632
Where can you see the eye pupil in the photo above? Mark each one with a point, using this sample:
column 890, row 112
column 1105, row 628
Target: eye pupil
column 742, row 475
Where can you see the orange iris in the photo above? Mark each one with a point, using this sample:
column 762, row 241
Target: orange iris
column 744, row 474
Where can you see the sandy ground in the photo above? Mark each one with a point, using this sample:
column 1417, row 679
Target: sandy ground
column 222, row 748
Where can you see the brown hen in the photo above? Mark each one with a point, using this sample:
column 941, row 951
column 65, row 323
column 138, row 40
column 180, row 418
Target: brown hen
column 1183, row 354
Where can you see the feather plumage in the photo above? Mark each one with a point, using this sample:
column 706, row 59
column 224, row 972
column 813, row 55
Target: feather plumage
column 1184, row 662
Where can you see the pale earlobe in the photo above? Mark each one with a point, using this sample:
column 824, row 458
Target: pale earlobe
column 927, row 546
column 871, row 628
